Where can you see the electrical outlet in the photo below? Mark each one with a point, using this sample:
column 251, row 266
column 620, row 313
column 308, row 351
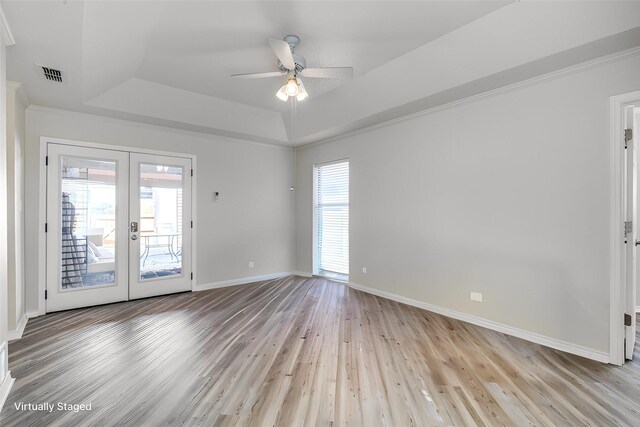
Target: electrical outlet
column 364, row 270
column 476, row 296
column 251, row 264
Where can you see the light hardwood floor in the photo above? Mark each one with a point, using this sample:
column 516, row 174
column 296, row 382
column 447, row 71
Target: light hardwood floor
column 294, row 352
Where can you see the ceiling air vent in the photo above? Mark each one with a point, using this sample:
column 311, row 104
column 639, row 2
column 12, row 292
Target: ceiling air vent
column 52, row 74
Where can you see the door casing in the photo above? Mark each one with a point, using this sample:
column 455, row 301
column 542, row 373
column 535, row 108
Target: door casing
column 42, row 204
column 617, row 216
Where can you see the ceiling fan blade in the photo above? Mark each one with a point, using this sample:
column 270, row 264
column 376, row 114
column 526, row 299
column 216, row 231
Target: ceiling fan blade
column 258, row 75
column 283, row 51
column 328, row 72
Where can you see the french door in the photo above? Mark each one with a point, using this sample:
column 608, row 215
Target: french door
column 119, row 226
column 160, row 227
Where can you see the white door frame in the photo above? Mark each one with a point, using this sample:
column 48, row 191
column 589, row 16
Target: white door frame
column 42, row 204
column 617, row 265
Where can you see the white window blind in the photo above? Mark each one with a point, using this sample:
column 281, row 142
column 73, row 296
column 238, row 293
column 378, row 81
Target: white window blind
column 332, row 216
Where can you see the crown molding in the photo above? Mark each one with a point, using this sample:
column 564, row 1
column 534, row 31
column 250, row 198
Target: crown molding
column 594, row 63
column 5, row 30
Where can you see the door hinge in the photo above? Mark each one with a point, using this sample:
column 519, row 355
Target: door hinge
column 46, row 227
column 191, row 224
column 45, row 294
column 191, row 172
column 628, row 227
column 627, row 319
column 191, row 276
column 46, row 160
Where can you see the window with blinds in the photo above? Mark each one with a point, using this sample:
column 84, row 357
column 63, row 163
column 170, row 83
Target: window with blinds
column 332, row 217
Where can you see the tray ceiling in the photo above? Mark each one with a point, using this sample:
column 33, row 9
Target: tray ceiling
column 169, row 62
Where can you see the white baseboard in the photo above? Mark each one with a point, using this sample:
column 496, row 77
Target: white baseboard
column 17, row 333
column 242, row 281
column 638, row 309
column 301, row 274
column 557, row 344
column 5, row 388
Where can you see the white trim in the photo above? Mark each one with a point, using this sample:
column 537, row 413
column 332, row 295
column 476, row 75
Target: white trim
column 315, row 260
column 7, row 381
column 603, row 60
column 332, row 162
column 616, row 221
column 557, row 344
column 241, row 281
column 638, row 309
column 194, row 229
column 42, row 236
column 314, row 220
column 123, row 148
column 7, row 35
column 19, row 88
column 42, row 202
column 17, row 333
column 5, row 388
column 301, row 274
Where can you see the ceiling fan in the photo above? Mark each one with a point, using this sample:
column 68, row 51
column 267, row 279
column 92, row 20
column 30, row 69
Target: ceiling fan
column 294, row 66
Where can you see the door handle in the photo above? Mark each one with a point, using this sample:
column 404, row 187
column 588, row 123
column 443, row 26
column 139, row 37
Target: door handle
column 134, row 227
column 134, row 237
column 637, row 242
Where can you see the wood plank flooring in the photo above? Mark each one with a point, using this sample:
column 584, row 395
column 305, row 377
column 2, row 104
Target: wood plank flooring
column 296, row 352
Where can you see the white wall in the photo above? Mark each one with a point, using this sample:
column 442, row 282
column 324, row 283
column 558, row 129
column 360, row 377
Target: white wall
column 5, row 378
column 252, row 221
column 507, row 195
column 15, row 199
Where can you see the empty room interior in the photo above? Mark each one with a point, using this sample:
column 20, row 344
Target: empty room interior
column 319, row 213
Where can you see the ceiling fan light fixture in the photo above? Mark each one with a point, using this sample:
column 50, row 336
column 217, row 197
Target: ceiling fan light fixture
column 282, row 93
column 292, row 65
column 292, row 87
column 302, row 94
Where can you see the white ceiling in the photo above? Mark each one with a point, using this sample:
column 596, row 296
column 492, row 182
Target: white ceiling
column 170, row 62
column 197, row 46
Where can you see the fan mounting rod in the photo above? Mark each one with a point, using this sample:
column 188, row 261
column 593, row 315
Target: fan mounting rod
column 293, row 41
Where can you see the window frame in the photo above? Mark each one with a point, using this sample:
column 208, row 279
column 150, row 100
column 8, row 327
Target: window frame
column 316, row 271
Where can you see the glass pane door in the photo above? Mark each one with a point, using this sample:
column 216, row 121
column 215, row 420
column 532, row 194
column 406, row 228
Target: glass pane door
column 160, row 220
column 160, row 228
column 86, row 219
column 88, row 223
